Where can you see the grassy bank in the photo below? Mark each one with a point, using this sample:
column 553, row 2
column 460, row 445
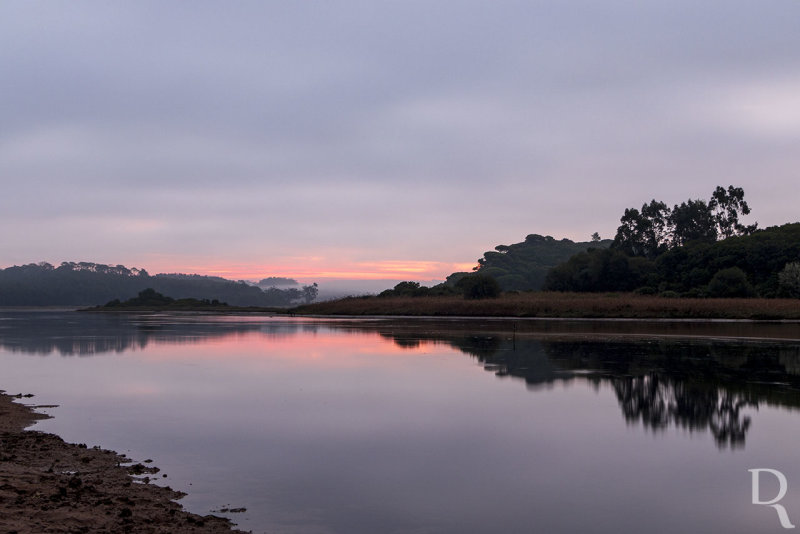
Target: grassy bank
column 571, row 305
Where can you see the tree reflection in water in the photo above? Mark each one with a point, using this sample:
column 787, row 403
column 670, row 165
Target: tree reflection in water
column 692, row 384
column 660, row 382
column 658, row 402
column 91, row 334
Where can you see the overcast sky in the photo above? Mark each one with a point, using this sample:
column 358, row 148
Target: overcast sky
column 393, row 139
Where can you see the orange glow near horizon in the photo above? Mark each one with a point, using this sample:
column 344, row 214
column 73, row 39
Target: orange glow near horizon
column 315, row 269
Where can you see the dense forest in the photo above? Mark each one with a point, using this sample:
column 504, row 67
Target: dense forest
column 524, row 266
column 518, row 267
column 695, row 249
column 86, row 284
column 765, row 263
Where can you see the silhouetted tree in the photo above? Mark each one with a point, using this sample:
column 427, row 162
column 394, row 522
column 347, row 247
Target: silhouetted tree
column 646, row 232
column 653, row 230
column 725, row 207
column 310, row 293
column 629, row 236
column 692, row 221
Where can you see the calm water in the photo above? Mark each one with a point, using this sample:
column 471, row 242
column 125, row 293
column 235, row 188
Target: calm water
column 392, row 426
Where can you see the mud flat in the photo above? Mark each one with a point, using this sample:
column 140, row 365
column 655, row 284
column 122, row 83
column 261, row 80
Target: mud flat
column 48, row 485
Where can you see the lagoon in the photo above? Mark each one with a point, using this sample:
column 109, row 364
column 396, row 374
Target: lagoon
column 429, row 426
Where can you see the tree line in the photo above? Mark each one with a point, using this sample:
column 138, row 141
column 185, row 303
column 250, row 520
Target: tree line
column 656, row 228
column 694, row 249
column 697, row 248
column 88, row 284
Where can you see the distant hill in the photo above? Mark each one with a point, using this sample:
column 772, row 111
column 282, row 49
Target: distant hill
column 524, row 266
column 88, row 284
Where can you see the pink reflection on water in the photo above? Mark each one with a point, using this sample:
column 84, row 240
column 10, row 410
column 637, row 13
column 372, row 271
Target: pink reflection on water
column 327, row 348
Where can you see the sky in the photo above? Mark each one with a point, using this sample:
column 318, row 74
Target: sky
column 379, row 139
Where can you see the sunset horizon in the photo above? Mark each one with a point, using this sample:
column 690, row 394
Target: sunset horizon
column 368, row 270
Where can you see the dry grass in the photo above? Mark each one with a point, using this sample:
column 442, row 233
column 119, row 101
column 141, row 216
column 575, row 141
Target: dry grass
column 551, row 304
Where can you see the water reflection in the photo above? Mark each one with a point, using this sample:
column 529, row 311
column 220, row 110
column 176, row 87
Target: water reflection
column 658, row 401
column 89, row 334
column 695, row 384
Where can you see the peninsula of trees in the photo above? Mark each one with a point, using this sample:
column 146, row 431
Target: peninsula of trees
column 696, row 249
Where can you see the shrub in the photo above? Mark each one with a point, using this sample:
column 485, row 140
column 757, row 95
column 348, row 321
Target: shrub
column 479, row 286
column 696, row 293
column 730, row 283
column 414, row 289
column 789, row 280
column 405, row 289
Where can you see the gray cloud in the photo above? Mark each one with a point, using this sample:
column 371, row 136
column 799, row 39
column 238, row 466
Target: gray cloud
column 381, row 129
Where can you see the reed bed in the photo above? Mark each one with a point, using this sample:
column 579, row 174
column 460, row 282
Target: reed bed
column 567, row 305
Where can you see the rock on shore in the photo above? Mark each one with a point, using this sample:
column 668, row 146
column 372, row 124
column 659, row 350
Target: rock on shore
column 48, row 485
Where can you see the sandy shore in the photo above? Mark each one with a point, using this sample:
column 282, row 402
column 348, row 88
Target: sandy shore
column 47, row 485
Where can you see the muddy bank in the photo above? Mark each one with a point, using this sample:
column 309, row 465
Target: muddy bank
column 47, row 485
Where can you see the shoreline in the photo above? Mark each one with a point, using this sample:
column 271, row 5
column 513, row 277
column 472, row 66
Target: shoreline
column 541, row 304
column 48, row 485
column 226, row 310
column 554, row 305
column 733, row 330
